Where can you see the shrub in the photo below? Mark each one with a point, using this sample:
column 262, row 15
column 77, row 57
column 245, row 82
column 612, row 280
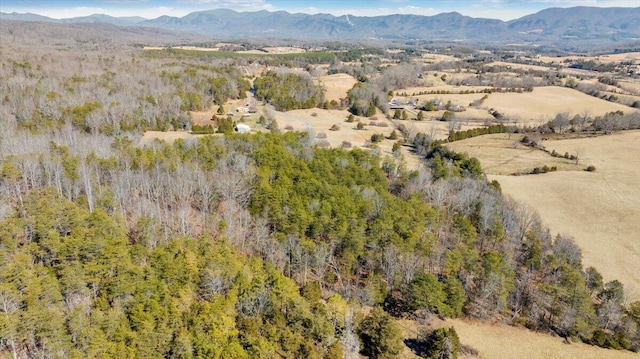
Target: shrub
column 360, row 126
column 396, row 146
column 447, row 116
column 323, row 143
column 288, row 128
column 273, row 126
column 346, row 144
column 590, row 168
column 375, row 138
column 335, row 127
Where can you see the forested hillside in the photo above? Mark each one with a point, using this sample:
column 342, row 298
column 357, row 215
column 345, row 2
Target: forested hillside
column 253, row 245
column 185, row 249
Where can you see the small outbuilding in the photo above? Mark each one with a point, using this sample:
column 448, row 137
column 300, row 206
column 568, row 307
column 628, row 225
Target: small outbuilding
column 242, row 128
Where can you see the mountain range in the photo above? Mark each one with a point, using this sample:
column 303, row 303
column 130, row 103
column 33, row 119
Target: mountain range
column 561, row 27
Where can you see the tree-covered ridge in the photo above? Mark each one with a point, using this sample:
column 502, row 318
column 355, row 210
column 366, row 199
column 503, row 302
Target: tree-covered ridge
column 162, row 236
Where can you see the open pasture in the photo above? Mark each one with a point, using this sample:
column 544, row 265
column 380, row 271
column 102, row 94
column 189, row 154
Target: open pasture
column 502, row 341
column 321, row 121
column 501, row 154
column 336, row 85
column 511, row 65
column 599, row 209
column 543, row 103
column 608, row 58
column 497, row 341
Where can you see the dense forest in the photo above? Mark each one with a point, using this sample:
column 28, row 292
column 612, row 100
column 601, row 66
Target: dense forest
column 253, row 246
column 288, row 91
column 182, row 250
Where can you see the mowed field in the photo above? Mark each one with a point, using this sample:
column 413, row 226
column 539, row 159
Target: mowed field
column 543, row 103
column 600, row 209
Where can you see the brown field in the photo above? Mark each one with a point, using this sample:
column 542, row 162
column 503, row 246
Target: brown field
column 498, row 341
column 434, row 58
column 323, row 120
column 629, row 56
column 336, row 85
column 519, row 66
column 499, row 157
column 543, row 103
column 196, row 48
column 599, row 209
column 320, row 121
column 631, row 86
column 503, row 341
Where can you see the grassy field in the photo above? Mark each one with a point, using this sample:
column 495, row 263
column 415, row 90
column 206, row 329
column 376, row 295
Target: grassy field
column 627, row 56
column 501, row 154
column 599, row 209
column 494, row 341
column 498, row 341
column 543, row 103
column 337, row 85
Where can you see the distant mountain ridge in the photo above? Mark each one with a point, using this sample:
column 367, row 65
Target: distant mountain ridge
column 562, row 27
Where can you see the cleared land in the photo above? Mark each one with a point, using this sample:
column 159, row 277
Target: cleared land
column 501, row 154
column 519, row 66
column 498, row 341
column 599, row 209
column 627, row 56
column 494, row 341
column 543, row 103
column 336, row 85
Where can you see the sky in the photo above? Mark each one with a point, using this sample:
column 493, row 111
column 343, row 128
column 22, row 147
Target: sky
column 150, row 9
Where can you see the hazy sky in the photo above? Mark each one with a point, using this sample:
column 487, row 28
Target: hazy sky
column 495, row 9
